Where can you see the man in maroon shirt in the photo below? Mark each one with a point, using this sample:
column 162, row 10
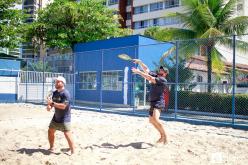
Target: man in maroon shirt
column 158, row 85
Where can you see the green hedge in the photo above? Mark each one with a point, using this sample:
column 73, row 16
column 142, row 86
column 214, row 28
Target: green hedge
column 210, row 102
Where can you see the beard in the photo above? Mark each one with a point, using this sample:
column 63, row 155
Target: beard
column 58, row 86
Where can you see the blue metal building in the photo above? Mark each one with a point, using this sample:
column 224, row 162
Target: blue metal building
column 103, row 77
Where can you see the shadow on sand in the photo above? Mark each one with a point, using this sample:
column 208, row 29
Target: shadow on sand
column 136, row 145
column 31, row 151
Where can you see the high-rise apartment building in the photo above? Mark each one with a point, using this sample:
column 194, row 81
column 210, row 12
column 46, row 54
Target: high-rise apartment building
column 141, row 14
column 32, row 6
column 137, row 14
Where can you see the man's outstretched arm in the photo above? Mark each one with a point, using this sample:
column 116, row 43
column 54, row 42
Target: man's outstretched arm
column 144, row 75
column 142, row 65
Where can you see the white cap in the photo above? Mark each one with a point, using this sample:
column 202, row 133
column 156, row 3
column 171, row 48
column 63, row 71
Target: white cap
column 60, row 78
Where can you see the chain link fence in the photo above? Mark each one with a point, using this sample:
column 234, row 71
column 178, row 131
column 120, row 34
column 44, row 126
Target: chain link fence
column 207, row 81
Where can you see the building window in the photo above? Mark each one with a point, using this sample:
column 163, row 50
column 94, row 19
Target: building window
column 129, row 15
column 156, row 6
column 171, row 3
column 112, row 80
column 156, row 22
column 171, row 20
column 199, row 78
column 29, row 2
column 113, row 2
column 141, row 9
column 141, row 24
column 87, row 80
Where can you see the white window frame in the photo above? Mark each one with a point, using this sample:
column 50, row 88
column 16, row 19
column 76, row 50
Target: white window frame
column 141, row 9
column 158, row 22
column 94, row 84
column 171, row 3
column 171, row 20
column 113, row 82
column 156, row 6
column 113, row 2
column 141, row 24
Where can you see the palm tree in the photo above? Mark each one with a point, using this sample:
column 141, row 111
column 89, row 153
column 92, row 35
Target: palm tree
column 205, row 19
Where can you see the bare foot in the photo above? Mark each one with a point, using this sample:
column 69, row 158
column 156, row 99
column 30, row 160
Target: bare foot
column 67, row 150
column 51, row 150
column 162, row 140
column 72, row 151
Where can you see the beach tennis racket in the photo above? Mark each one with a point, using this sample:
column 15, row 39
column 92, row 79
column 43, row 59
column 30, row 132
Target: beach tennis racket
column 125, row 57
column 50, row 94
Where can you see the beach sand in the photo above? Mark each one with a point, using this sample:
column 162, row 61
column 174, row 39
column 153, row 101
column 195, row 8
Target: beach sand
column 113, row 139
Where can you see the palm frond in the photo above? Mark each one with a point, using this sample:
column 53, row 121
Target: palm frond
column 201, row 19
column 190, row 5
column 212, row 32
column 183, row 17
column 168, row 34
column 217, row 63
column 240, row 45
column 226, row 12
column 215, row 6
column 167, row 53
column 237, row 25
column 206, row 15
column 187, row 49
column 151, row 31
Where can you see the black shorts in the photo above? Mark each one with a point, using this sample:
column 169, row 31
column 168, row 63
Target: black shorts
column 152, row 109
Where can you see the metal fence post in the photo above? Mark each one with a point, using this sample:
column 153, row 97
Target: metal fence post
column 26, row 80
column 43, row 81
column 133, row 81
column 101, row 81
column 176, row 85
column 233, row 79
column 74, row 78
column 144, row 101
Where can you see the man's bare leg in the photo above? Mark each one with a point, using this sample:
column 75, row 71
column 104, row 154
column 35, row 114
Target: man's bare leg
column 159, row 126
column 162, row 138
column 153, row 122
column 51, row 132
column 69, row 139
